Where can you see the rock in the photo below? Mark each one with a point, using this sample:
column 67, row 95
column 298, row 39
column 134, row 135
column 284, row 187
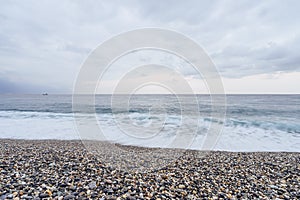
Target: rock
column 27, row 197
column 70, row 196
column 273, row 187
column 92, row 185
column 79, row 174
column 130, row 198
column 181, row 186
column 110, row 191
column 108, row 181
column 44, row 186
column 43, row 195
column 49, row 192
column 73, row 188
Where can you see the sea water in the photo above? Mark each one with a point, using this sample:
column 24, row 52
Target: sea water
column 252, row 122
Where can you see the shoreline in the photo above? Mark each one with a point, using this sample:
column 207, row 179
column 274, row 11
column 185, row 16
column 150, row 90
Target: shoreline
column 65, row 169
column 143, row 147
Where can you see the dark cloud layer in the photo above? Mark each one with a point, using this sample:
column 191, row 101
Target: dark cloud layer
column 7, row 86
column 11, row 87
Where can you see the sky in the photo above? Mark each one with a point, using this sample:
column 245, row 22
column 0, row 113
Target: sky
column 255, row 45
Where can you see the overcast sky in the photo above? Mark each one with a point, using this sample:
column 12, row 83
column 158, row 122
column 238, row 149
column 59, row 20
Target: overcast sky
column 254, row 44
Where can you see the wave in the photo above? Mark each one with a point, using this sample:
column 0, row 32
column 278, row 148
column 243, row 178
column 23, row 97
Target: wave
column 144, row 115
column 265, row 125
column 89, row 110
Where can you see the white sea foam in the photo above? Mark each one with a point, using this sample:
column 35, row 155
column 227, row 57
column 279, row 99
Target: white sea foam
column 237, row 134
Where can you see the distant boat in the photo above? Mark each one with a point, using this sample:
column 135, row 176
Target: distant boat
column 45, row 94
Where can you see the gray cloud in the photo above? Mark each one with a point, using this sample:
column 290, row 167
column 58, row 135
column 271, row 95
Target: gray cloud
column 44, row 43
column 237, row 61
column 10, row 87
column 7, row 86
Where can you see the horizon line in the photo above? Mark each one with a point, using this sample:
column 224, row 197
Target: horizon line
column 152, row 94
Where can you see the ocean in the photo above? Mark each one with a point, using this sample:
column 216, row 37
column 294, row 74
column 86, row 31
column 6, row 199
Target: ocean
column 252, row 122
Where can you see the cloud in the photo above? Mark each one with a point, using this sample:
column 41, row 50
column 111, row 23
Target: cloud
column 7, row 86
column 11, row 87
column 45, row 43
column 281, row 82
column 240, row 61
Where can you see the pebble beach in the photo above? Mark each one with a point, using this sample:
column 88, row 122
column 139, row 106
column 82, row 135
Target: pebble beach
column 53, row 169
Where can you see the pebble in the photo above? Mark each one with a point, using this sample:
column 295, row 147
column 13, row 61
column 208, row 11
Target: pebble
column 92, row 185
column 181, row 186
column 70, row 196
column 65, row 170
